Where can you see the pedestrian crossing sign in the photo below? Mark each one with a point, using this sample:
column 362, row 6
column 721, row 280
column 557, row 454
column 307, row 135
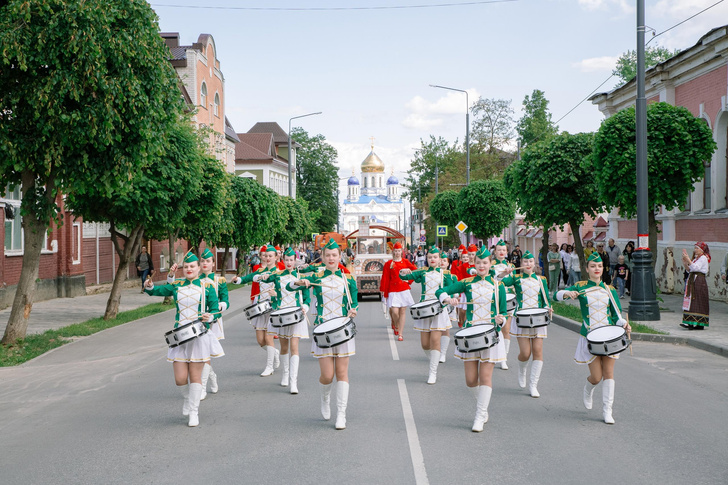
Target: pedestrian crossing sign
column 441, row 231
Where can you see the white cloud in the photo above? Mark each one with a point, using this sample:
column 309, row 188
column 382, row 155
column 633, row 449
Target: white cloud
column 596, row 64
column 667, row 13
column 426, row 114
column 421, row 122
column 623, row 5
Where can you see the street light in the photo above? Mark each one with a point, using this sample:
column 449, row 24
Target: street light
column 467, row 129
column 290, row 153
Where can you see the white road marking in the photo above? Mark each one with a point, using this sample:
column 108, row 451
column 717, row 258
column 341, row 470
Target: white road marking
column 392, row 343
column 418, row 461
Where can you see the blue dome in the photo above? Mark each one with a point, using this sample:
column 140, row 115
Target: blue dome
column 353, row 181
column 392, row 180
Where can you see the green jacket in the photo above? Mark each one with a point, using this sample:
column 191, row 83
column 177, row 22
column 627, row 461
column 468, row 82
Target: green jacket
column 517, row 282
column 614, row 314
column 325, row 279
column 466, row 286
column 171, row 289
column 220, row 285
column 285, row 298
column 437, row 277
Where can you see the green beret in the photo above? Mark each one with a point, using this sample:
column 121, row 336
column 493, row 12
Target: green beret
column 191, row 257
column 482, row 253
column 270, row 249
column 527, row 255
column 433, row 250
column 331, row 244
column 206, row 254
column 289, row 251
column 594, row 257
column 501, row 243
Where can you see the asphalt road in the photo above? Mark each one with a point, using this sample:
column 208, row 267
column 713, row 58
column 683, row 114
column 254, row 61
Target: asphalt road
column 105, row 410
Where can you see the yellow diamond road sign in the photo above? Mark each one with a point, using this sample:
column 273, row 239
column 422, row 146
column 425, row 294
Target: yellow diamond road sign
column 461, row 226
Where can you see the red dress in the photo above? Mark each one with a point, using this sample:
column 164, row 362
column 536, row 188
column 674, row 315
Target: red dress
column 391, row 282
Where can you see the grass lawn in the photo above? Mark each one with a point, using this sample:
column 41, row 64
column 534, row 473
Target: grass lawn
column 573, row 312
column 36, row 344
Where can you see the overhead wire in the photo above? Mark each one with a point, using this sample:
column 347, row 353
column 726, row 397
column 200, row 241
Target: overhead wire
column 329, row 9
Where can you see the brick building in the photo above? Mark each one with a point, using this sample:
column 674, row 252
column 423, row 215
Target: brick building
column 696, row 78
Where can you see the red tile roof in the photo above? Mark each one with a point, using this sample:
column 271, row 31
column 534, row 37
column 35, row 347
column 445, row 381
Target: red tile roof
column 588, row 236
column 601, row 222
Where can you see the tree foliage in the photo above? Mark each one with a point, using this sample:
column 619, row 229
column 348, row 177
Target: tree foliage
column 444, row 208
column 486, row 207
column 86, row 92
column 626, row 68
column 492, row 125
column 678, row 146
column 254, row 214
column 436, row 154
column 535, row 125
column 317, row 178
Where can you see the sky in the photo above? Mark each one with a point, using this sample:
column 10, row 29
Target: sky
column 368, row 70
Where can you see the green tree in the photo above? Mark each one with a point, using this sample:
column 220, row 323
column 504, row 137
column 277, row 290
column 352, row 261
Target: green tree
column 554, row 183
column 317, row 178
column 486, row 207
column 444, row 208
column 679, row 144
column 492, row 125
column 626, row 68
column 86, row 90
column 436, row 154
column 535, row 125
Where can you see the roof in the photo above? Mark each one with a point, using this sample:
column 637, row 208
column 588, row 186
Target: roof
column 588, row 236
column 601, row 222
column 280, row 137
column 262, row 142
column 521, row 231
column 230, row 131
column 601, row 237
column 366, row 199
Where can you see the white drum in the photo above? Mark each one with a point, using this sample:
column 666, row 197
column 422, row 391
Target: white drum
column 256, row 309
column 286, row 316
column 476, row 338
column 532, row 317
column 511, row 302
column 334, row 332
column 426, row 309
column 607, row 340
column 185, row 333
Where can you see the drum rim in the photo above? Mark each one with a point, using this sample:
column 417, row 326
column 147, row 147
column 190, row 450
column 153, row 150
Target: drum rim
column 288, row 310
column 613, row 339
column 318, row 327
column 536, row 311
column 476, row 326
column 426, row 303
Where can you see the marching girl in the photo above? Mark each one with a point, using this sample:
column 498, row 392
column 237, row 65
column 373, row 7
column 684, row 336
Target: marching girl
column 266, row 291
column 486, row 299
column 461, row 273
column 195, row 300
column 289, row 335
column 336, row 296
column 501, row 266
column 453, row 315
column 598, row 308
column 454, row 267
column 531, row 292
column 431, row 329
column 395, row 291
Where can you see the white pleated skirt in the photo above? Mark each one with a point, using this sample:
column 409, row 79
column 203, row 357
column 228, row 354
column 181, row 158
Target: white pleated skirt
column 439, row 322
column 582, row 355
column 400, row 299
column 528, row 332
column 299, row 330
column 260, row 322
column 347, row 349
column 217, row 329
column 496, row 353
column 199, row 349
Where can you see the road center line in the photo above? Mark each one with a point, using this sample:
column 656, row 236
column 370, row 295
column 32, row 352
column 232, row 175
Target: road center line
column 392, row 344
column 418, row 461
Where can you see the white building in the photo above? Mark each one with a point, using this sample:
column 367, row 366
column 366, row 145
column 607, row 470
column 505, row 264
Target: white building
column 375, row 196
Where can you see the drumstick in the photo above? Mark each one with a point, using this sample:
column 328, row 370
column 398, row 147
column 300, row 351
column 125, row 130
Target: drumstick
column 594, row 288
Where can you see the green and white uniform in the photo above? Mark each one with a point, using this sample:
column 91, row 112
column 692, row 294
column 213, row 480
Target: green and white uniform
column 431, row 280
column 261, row 321
column 287, row 299
column 531, row 292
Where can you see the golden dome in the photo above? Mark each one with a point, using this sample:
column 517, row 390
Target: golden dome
column 372, row 163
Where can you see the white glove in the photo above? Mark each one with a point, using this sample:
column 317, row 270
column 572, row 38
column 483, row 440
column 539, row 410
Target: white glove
column 170, row 278
column 223, row 306
column 207, row 317
column 444, row 297
column 621, row 322
column 257, row 278
column 305, row 308
column 236, row 280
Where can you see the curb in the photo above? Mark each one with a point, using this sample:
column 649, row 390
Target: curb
column 649, row 337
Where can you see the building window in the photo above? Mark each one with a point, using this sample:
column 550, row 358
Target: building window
column 76, row 235
column 203, row 95
column 217, row 104
column 706, row 188
column 13, row 227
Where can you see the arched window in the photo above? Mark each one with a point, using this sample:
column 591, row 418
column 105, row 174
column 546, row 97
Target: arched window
column 365, row 182
column 203, row 95
column 707, row 182
column 217, row 104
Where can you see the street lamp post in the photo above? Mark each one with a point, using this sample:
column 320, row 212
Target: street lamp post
column 467, row 129
column 643, row 305
column 290, row 152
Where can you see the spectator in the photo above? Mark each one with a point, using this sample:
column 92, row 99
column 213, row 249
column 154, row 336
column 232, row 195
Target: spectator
column 613, row 251
column 574, row 268
column 606, row 274
column 144, row 265
column 620, row 275
column 589, row 249
column 565, row 260
column 554, row 262
column 724, row 268
column 628, row 250
column 515, row 257
column 420, row 261
column 696, row 308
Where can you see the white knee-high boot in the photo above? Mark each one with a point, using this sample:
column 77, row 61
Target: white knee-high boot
column 285, row 359
column 427, row 353
column 195, row 393
column 444, row 344
column 522, row 369
column 213, row 381
column 588, row 394
column 326, row 401
column 294, row 374
column 270, row 357
column 205, row 376
column 608, row 398
column 185, row 390
column 504, row 364
column 434, row 361
column 276, row 358
column 536, row 367
column 481, row 412
column 342, row 399
column 474, row 391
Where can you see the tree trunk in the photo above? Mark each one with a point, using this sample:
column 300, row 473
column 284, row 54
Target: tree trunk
column 171, row 240
column 223, row 263
column 131, row 247
column 577, row 243
column 652, row 240
column 33, row 233
column 545, row 252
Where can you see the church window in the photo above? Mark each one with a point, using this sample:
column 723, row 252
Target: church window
column 203, row 95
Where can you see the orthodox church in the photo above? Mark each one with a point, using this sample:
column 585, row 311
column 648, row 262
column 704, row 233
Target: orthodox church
column 373, row 196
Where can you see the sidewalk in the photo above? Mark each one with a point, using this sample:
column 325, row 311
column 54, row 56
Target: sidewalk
column 713, row 339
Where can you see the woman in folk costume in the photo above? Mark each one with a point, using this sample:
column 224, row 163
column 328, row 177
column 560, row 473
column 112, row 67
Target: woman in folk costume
column 599, row 307
column 395, row 291
column 431, row 329
column 531, row 292
column 289, row 335
column 336, row 296
column 452, row 314
column 501, row 267
column 486, row 300
column 195, row 300
column 265, row 291
column 696, row 307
